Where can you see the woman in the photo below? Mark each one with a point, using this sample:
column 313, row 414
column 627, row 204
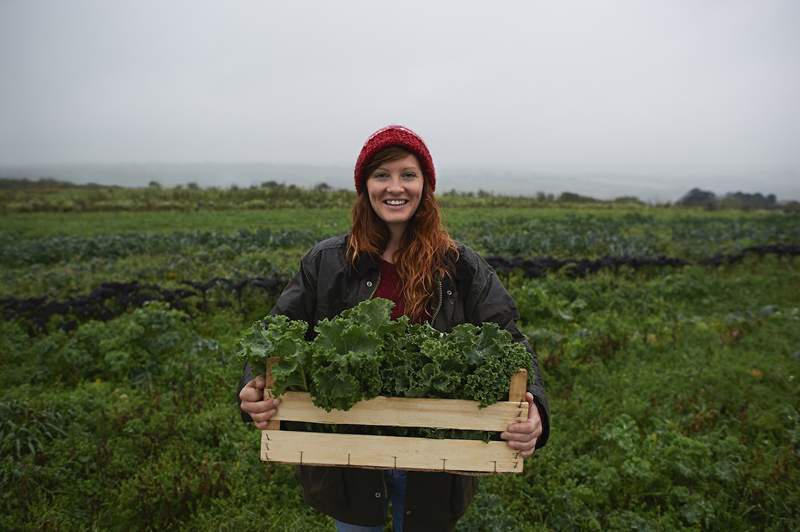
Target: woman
column 397, row 249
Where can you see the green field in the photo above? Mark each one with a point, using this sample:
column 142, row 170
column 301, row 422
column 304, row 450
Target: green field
column 674, row 389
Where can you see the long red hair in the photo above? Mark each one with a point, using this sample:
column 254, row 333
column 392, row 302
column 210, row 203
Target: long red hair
column 424, row 249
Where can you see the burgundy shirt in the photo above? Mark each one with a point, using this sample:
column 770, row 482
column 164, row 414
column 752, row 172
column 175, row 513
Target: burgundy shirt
column 389, row 288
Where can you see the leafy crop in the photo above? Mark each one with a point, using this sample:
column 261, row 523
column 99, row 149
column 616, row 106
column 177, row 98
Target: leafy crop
column 594, row 236
column 24, row 430
column 15, row 252
column 673, row 390
column 362, row 353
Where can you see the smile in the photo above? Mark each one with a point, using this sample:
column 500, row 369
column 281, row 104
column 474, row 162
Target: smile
column 395, row 202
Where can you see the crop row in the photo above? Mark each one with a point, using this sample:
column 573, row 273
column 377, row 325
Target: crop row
column 109, row 300
column 574, row 235
column 541, row 266
column 59, row 248
column 622, row 236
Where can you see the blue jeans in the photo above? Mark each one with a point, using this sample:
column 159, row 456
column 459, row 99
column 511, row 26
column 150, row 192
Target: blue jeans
column 396, row 483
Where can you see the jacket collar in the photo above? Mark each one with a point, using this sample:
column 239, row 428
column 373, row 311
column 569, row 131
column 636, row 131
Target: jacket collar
column 365, row 263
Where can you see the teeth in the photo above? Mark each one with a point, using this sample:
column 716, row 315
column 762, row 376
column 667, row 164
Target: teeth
column 396, row 202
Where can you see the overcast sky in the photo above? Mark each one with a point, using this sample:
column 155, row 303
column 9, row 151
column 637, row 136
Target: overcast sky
column 646, row 88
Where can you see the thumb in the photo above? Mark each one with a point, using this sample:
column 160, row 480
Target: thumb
column 531, row 405
column 259, row 382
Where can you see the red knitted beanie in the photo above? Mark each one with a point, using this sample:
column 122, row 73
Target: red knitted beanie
column 395, row 136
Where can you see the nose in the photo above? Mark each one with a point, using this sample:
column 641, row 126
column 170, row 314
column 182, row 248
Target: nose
column 395, row 186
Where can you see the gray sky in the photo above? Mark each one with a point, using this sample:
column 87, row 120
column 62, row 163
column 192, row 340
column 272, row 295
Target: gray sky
column 702, row 91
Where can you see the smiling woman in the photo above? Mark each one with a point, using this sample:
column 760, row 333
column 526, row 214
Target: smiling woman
column 397, row 249
column 395, row 164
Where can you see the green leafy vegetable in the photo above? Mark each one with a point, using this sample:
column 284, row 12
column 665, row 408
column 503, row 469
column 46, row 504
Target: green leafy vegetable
column 363, row 353
column 280, row 337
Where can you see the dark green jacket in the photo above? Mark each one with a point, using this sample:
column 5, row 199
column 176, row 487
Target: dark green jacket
column 326, row 285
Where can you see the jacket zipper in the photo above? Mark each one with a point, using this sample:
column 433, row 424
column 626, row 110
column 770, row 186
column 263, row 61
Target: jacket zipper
column 439, row 304
column 383, row 477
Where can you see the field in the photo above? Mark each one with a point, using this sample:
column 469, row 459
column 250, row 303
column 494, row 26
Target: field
column 669, row 340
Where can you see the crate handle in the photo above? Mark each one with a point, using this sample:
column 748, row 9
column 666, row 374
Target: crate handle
column 272, row 424
column 518, row 386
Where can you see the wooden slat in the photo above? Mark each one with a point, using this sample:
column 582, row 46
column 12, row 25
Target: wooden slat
column 389, row 452
column 274, row 423
column 518, row 386
column 403, row 412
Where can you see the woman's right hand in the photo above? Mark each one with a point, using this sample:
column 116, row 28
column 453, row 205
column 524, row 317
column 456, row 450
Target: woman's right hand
column 253, row 403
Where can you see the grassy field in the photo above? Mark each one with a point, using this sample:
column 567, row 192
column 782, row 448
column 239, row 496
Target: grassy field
column 674, row 390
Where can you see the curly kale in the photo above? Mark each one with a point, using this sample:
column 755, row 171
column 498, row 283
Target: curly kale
column 496, row 357
column 363, row 353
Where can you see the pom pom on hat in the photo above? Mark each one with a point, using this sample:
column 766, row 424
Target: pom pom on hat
column 395, row 135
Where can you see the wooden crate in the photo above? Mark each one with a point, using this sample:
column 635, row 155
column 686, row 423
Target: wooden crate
column 393, row 452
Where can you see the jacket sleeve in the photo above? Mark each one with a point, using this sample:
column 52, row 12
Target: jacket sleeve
column 297, row 302
column 492, row 302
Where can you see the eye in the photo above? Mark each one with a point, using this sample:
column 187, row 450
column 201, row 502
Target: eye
column 409, row 175
column 380, row 175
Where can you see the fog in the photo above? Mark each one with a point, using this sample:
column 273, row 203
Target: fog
column 649, row 98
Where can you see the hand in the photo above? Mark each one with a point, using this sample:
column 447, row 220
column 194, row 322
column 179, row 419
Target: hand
column 254, row 404
column 522, row 436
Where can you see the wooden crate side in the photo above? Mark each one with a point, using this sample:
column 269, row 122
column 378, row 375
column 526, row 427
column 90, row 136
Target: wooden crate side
column 518, row 386
column 274, row 423
column 404, row 412
column 389, row 452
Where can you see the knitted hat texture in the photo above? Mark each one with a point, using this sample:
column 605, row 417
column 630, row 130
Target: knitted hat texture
column 395, row 135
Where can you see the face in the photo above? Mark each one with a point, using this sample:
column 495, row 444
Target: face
column 395, row 190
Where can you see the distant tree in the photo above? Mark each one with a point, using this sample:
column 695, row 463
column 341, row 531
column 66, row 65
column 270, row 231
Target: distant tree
column 698, row 198
column 154, row 184
column 627, row 199
column 744, row 200
column 192, row 186
column 322, row 187
column 571, row 197
column 270, row 184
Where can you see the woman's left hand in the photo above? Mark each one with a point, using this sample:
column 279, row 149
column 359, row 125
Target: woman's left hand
column 522, row 436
